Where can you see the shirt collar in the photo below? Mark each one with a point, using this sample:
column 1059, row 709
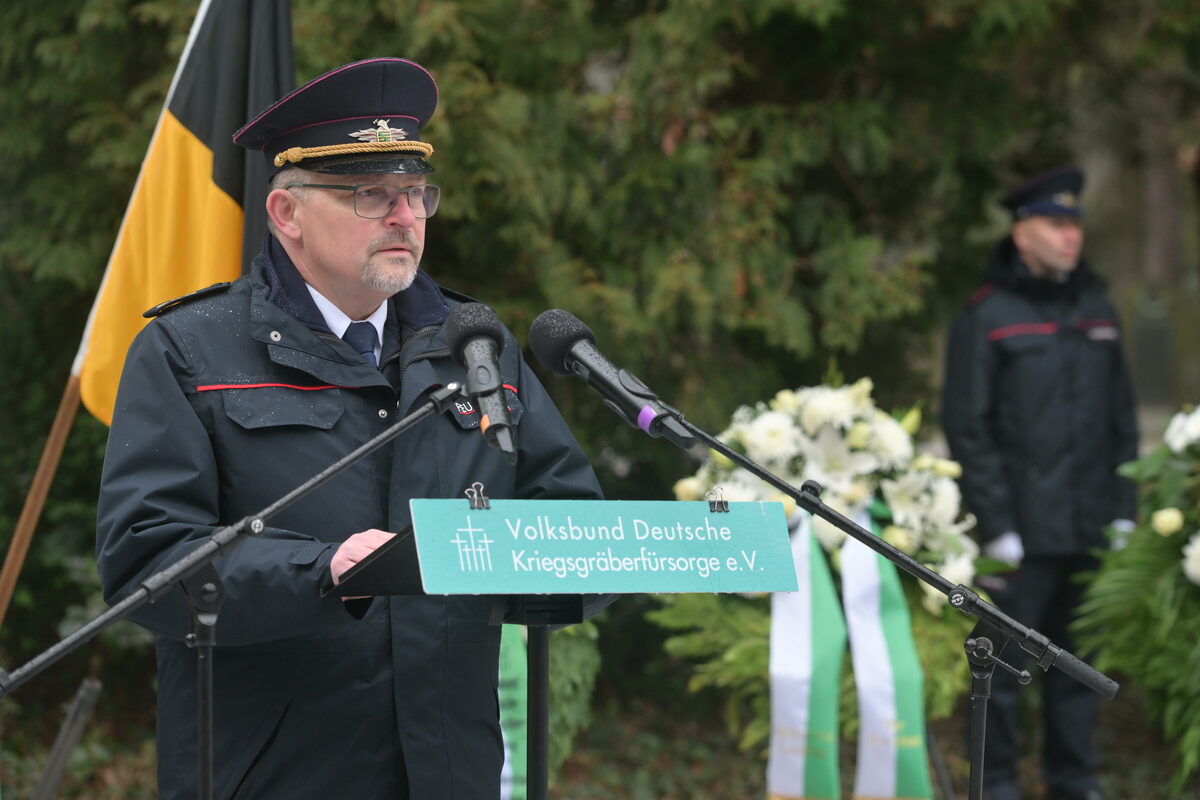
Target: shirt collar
column 337, row 320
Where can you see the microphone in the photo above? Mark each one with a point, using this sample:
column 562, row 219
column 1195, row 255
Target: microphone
column 476, row 338
column 566, row 345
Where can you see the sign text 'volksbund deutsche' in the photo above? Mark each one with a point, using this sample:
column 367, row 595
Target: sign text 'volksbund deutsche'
column 601, row 546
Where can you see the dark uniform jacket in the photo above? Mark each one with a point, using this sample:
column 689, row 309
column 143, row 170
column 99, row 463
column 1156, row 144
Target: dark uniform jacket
column 1038, row 408
column 227, row 402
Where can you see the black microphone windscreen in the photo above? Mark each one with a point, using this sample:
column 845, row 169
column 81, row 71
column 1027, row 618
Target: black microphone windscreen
column 552, row 334
column 468, row 321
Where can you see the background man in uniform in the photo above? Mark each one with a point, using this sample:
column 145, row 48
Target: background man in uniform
column 1039, row 410
column 232, row 397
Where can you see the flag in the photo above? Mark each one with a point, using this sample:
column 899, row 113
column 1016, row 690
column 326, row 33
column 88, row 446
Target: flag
column 196, row 214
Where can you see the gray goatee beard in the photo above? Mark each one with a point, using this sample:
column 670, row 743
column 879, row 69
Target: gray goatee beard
column 387, row 277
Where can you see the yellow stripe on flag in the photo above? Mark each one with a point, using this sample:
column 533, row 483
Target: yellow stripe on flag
column 181, row 233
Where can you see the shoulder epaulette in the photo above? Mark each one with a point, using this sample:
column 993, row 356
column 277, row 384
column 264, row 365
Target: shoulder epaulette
column 187, row 298
column 981, row 294
column 454, row 295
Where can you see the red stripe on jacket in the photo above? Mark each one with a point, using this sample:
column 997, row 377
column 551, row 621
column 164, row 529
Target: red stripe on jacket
column 1039, row 328
column 213, row 387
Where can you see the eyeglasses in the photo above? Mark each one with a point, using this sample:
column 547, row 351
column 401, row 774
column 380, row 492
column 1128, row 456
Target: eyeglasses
column 376, row 200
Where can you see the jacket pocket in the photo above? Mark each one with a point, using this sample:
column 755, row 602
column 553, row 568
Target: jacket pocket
column 275, row 406
column 255, row 749
column 1024, row 345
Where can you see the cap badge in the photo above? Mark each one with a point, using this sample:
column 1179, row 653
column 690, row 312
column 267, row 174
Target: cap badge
column 381, row 133
column 1065, row 199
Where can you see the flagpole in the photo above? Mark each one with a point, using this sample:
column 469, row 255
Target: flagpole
column 36, row 498
column 69, row 405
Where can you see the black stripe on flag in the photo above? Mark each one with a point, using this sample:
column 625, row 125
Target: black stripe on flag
column 240, row 63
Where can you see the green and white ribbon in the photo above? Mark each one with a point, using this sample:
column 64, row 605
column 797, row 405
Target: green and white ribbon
column 514, row 692
column 808, row 642
column 891, row 742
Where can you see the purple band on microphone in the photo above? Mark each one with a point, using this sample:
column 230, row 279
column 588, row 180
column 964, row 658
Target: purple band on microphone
column 645, row 417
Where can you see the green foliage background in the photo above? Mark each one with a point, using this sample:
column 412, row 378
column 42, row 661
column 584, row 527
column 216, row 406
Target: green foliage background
column 730, row 192
column 1142, row 614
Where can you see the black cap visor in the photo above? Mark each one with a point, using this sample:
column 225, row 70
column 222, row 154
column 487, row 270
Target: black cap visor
column 368, row 164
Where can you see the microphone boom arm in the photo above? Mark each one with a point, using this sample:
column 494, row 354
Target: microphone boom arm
column 966, row 600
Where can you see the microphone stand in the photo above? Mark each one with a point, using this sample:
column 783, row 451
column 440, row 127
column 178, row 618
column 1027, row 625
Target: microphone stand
column 203, row 588
column 994, row 627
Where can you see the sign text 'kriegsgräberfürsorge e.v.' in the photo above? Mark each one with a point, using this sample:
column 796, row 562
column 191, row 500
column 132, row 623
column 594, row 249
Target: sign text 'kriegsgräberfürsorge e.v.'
column 598, row 546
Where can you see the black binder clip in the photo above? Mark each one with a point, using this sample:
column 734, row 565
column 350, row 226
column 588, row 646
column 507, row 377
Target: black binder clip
column 478, row 499
column 716, row 500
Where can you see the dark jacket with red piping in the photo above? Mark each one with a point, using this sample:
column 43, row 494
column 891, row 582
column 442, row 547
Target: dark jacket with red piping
column 1038, row 408
column 227, row 402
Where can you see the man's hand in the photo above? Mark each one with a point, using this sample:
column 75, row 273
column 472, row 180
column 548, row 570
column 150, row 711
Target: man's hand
column 355, row 549
column 1006, row 547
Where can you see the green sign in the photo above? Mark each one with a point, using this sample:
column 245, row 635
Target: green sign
column 601, row 546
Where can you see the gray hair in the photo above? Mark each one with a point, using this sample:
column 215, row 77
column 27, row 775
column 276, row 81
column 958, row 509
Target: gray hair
column 281, row 179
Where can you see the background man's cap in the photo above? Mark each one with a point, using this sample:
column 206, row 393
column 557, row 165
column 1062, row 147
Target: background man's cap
column 363, row 118
column 1050, row 194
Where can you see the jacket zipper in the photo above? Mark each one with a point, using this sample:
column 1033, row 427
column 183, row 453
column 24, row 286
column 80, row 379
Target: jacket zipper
column 407, row 360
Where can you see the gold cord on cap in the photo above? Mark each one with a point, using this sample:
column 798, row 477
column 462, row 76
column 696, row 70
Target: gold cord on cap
column 295, row 155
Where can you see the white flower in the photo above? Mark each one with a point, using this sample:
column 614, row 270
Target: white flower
column 1166, row 521
column 1191, row 428
column 966, row 545
column 720, row 460
column 944, row 502
column 788, row 502
column 947, row 468
column 925, row 461
column 857, row 494
column 934, row 601
column 830, row 536
column 859, row 435
column 908, row 498
column 1191, row 559
column 735, row 434
column 741, row 486
column 890, row 441
column 911, row 421
column 772, row 437
column 1176, row 435
column 787, row 401
column 951, row 540
column 821, row 406
column 900, row 538
column 838, row 438
column 1183, row 430
column 859, row 393
column 743, row 416
column 958, row 569
column 689, row 489
column 830, row 462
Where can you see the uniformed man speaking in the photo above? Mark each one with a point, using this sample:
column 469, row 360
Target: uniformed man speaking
column 232, row 398
column 1038, row 408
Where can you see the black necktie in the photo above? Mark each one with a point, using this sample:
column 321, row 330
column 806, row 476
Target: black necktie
column 363, row 338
